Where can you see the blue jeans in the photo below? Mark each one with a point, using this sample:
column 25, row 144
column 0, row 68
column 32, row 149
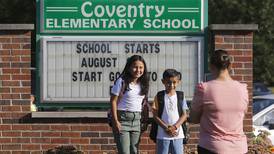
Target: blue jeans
column 173, row 146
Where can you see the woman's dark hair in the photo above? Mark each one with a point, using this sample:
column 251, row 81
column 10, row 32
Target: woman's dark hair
column 126, row 74
column 220, row 59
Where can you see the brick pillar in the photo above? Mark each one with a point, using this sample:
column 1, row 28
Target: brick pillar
column 238, row 41
column 15, row 75
column 15, row 82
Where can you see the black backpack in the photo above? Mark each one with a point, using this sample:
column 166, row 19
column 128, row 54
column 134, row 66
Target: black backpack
column 154, row 125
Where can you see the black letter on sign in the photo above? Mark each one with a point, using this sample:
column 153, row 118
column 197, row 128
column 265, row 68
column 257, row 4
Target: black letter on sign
column 78, row 47
column 157, row 48
column 154, row 76
column 84, row 63
column 74, row 76
column 127, row 48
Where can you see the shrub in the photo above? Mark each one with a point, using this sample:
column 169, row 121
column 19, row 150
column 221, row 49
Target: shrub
column 260, row 144
column 68, row 149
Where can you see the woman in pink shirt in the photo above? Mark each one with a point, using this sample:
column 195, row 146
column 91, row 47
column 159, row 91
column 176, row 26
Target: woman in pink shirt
column 219, row 106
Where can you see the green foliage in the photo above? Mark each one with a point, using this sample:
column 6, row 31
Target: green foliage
column 264, row 47
column 260, row 144
column 251, row 12
column 17, row 11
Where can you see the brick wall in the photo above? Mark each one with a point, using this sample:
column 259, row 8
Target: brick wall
column 19, row 133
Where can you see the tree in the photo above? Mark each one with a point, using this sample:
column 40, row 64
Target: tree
column 17, row 11
column 249, row 12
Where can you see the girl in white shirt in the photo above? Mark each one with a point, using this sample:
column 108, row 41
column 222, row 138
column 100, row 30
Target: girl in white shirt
column 127, row 95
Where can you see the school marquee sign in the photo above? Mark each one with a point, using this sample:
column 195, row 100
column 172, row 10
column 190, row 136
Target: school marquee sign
column 83, row 45
column 161, row 16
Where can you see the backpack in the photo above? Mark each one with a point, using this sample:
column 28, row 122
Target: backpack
column 154, row 125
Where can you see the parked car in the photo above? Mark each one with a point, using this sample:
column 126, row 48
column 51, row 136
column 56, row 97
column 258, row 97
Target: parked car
column 260, row 89
column 263, row 114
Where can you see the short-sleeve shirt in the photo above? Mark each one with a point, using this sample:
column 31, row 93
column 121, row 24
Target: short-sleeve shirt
column 222, row 105
column 170, row 115
column 131, row 99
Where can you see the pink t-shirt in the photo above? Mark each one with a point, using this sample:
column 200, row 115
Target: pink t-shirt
column 222, row 105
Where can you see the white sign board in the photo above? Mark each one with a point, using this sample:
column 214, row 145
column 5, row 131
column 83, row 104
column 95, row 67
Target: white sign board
column 83, row 69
